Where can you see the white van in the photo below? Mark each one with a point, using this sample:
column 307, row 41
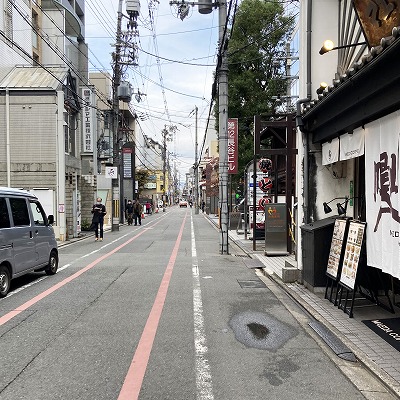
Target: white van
column 27, row 241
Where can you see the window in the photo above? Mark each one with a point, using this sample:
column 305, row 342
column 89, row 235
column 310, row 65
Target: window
column 8, row 19
column 19, row 211
column 35, row 29
column 4, row 217
column 39, row 216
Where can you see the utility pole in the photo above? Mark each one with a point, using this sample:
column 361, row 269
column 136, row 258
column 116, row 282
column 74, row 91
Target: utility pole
column 196, row 167
column 165, row 134
column 132, row 8
column 223, row 131
column 116, row 181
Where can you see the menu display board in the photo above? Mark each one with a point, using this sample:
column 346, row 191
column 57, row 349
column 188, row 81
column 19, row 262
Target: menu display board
column 336, row 248
column 352, row 254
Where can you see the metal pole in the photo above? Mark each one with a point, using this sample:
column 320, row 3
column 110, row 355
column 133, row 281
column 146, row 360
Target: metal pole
column 223, row 131
column 115, row 210
column 164, row 132
column 246, row 193
column 254, row 197
column 196, row 170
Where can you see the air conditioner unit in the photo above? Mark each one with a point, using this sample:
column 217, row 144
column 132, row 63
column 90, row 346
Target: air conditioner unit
column 125, row 92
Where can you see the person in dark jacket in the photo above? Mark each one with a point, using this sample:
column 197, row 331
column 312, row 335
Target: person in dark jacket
column 129, row 212
column 98, row 211
column 137, row 212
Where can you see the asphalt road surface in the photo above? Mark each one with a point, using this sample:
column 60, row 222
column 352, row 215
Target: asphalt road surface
column 155, row 312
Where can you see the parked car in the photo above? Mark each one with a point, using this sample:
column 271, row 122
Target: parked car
column 183, row 203
column 27, row 241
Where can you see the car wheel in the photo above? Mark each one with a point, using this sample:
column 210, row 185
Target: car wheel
column 4, row 281
column 52, row 266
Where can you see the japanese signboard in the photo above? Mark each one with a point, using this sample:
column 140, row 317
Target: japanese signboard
column 382, row 196
column 377, row 18
column 260, row 217
column 127, row 161
column 352, row 253
column 88, row 120
column 335, row 252
column 232, row 145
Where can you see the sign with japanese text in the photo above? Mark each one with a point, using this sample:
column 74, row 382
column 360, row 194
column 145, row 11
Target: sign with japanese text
column 352, row 253
column 377, row 18
column 260, row 218
column 382, row 142
column 212, row 180
column 88, row 120
column 232, row 145
column 335, row 252
column 127, row 153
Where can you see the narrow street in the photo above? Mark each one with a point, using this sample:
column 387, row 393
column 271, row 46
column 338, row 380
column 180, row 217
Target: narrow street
column 155, row 312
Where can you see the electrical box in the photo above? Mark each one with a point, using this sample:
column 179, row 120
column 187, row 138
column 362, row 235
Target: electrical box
column 133, row 7
column 125, row 92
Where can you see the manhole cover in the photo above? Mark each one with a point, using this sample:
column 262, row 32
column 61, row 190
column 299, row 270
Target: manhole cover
column 254, row 283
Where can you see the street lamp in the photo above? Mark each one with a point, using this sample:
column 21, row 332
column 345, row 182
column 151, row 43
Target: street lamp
column 328, row 46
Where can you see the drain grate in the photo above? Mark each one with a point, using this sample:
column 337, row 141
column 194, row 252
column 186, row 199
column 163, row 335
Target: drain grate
column 253, row 263
column 250, row 284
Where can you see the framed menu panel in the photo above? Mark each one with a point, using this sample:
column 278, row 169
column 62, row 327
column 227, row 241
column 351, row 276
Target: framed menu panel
column 335, row 253
column 352, row 253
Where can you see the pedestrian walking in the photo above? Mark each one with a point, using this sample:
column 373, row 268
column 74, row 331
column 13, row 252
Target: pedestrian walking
column 203, row 206
column 137, row 212
column 148, row 207
column 129, row 212
column 98, row 211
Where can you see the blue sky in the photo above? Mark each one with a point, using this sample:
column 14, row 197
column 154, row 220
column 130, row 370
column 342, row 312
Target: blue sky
column 172, row 88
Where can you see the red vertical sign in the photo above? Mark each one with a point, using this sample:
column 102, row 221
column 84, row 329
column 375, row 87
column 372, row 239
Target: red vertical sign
column 232, row 145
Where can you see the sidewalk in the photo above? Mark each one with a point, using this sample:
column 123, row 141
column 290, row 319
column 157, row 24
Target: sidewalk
column 370, row 349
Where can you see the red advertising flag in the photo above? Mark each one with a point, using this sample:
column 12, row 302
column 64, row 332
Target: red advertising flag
column 232, row 145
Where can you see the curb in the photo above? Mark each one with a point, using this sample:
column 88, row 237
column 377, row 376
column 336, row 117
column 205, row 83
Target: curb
column 387, row 381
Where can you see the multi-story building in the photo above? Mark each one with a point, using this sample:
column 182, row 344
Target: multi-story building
column 349, row 134
column 40, row 101
column 150, row 158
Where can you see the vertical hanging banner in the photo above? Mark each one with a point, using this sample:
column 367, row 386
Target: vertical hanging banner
column 127, row 154
column 88, row 120
column 382, row 153
column 330, row 152
column 232, row 145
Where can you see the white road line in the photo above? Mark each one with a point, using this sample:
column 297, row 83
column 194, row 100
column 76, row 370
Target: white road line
column 203, row 373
